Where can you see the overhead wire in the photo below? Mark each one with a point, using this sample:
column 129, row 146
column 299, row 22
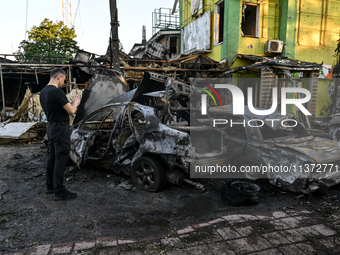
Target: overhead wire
column 75, row 15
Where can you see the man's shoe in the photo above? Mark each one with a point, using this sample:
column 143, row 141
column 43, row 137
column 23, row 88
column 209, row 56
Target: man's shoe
column 65, row 195
column 49, row 191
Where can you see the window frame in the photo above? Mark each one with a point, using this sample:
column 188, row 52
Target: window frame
column 257, row 21
column 217, row 24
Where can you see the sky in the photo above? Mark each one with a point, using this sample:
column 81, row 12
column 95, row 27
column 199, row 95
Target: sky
column 91, row 21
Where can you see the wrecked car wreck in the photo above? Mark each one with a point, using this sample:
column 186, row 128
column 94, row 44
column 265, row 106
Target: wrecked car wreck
column 311, row 162
column 146, row 137
column 154, row 135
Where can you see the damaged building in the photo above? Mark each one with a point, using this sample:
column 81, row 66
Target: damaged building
column 22, row 82
column 245, row 33
column 92, row 73
column 165, row 41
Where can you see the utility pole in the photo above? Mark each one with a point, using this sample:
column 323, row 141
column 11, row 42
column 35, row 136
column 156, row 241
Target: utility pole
column 114, row 41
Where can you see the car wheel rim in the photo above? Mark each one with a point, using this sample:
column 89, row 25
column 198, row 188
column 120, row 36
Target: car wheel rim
column 145, row 176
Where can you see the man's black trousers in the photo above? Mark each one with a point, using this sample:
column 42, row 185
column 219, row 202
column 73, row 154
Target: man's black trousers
column 58, row 152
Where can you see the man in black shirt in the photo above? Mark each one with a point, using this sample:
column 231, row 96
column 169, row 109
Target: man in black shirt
column 57, row 109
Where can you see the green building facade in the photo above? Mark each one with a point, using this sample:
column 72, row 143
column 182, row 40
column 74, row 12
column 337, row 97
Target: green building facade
column 307, row 30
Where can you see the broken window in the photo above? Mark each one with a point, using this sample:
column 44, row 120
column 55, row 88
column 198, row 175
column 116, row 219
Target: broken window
column 101, row 124
column 93, row 122
column 105, row 119
column 173, row 46
column 111, row 119
column 219, row 22
column 250, row 20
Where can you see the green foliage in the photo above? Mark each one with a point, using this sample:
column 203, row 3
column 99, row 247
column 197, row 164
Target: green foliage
column 48, row 41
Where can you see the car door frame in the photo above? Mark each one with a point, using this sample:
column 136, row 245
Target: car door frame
column 80, row 156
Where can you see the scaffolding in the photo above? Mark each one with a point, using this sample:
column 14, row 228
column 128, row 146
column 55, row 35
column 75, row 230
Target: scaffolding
column 66, row 4
column 162, row 18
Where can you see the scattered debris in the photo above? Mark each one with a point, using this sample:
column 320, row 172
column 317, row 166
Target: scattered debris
column 197, row 185
column 152, row 50
column 29, row 121
column 19, row 130
column 126, row 185
column 299, row 197
column 17, row 156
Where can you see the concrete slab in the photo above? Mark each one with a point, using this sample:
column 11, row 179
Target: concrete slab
column 240, row 245
column 291, row 249
column 292, row 235
column 228, row 233
column 276, row 238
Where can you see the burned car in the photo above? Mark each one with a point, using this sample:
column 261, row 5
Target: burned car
column 334, row 127
column 299, row 162
column 146, row 137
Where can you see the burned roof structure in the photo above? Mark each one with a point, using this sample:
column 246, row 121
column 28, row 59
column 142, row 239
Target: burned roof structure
column 89, row 69
column 17, row 76
column 181, row 68
column 278, row 63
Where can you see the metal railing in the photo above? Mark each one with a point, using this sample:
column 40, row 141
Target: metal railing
column 162, row 18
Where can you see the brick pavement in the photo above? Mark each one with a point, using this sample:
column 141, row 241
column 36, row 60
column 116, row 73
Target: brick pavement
column 278, row 232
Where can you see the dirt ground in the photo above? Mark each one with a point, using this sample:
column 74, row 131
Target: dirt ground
column 108, row 205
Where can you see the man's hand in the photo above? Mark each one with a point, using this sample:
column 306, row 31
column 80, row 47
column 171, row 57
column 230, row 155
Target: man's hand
column 72, row 108
column 76, row 100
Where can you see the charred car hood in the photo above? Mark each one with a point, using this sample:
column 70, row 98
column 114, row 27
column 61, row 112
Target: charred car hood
column 319, row 149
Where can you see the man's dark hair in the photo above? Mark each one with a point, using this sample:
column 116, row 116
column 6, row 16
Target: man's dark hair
column 56, row 71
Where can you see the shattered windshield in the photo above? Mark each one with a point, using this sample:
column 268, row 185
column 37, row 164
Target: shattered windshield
column 106, row 116
column 284, row 131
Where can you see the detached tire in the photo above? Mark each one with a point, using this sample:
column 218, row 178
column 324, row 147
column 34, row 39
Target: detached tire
column 241, row 193
column 245, row 189
column 148, row 174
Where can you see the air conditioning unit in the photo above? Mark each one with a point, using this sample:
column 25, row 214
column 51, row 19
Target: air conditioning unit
column 274, row 46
